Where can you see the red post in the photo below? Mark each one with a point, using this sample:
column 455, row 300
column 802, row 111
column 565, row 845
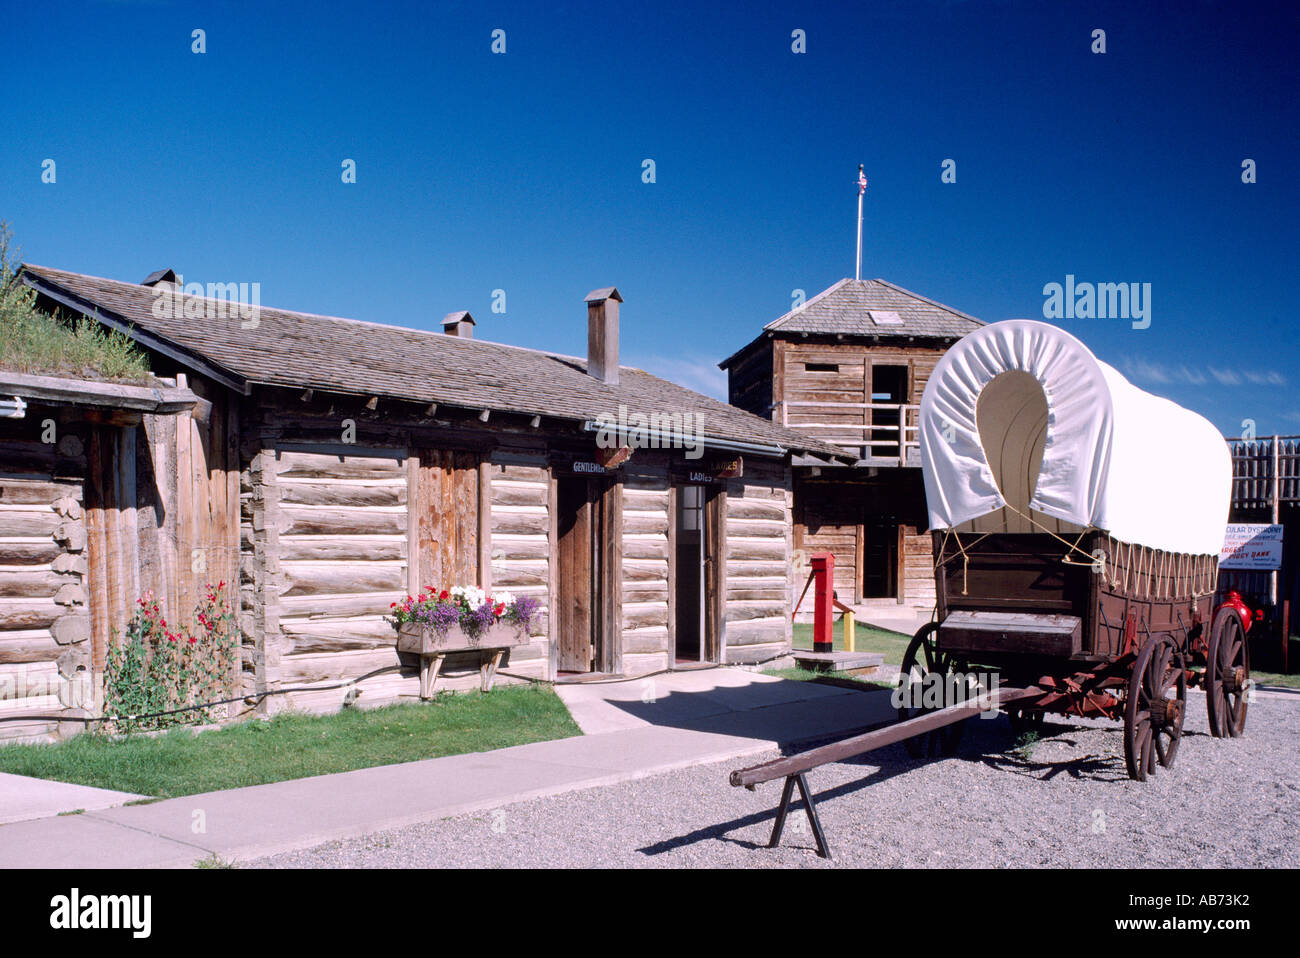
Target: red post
column 823, row 567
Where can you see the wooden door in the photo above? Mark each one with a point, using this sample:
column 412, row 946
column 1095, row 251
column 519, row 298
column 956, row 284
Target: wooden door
column 445, row 519
column 715, row 581
column 574, row 643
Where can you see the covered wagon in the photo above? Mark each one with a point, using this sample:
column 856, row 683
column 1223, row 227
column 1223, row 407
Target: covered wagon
column 1077, row 523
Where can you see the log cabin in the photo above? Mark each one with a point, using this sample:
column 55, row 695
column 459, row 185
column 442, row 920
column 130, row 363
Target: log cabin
column 848, row 366
column 332, row 466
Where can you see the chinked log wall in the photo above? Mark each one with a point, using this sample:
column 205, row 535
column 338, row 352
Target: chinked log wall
column 759, row 548
column 645, row 600
column 44, row 620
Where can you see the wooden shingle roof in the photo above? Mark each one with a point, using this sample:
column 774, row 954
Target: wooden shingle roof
column 293, row 349
column 846, row 308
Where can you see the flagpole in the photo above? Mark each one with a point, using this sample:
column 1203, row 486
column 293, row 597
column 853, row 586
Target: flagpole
column 857, row 272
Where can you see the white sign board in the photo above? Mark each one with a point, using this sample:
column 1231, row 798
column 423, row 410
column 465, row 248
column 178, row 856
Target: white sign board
column 1251, row 545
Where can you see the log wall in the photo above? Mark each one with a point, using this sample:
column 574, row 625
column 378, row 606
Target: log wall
column 759, row 565
column 341, row 524
column 45, row 651
column 646, row 638
column 520, row 547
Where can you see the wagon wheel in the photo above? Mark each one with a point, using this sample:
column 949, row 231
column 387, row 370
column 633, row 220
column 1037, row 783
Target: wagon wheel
column 924, row 658
column 1227, row 674
column 1156, row 706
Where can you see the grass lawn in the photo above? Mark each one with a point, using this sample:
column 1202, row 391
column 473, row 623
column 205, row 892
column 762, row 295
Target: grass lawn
column 1275, row 678
column 865, row 639
column 289, row 746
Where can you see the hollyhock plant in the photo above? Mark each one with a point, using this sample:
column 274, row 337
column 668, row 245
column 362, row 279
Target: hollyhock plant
column 156, row 668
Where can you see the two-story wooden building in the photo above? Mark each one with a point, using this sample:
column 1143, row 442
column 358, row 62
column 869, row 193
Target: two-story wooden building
column 849, row 367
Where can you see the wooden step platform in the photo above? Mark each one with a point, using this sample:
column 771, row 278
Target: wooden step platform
column 854, row 663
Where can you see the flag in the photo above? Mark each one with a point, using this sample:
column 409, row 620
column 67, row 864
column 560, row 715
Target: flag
column 862, row 181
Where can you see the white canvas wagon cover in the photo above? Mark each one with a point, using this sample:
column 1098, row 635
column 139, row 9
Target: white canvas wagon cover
column 1070, row 438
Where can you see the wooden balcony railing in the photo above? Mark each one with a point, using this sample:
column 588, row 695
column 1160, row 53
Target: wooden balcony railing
column 889, row 433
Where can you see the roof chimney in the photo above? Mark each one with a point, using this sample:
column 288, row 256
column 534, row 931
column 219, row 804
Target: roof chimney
column 163, row 279
column 602, row 334
column 459, row 324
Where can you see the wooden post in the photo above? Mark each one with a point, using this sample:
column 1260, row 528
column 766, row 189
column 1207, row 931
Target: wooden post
column 485, row 524
column 552, row 575
column 849, row 640
column 1277, row 488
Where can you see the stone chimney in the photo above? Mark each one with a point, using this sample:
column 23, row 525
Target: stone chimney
column 602, row 334
column 459, row 324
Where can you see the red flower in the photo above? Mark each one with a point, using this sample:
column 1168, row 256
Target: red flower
column 443, row 594
column 193, row 640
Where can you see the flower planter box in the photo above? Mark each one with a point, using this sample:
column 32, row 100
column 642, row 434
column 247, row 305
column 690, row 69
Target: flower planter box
column 423, row 640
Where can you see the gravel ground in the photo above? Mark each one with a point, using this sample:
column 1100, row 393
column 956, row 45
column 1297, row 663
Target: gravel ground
column 1064, row 801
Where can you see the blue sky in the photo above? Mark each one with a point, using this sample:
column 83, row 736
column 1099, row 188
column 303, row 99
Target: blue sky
column 523, row 171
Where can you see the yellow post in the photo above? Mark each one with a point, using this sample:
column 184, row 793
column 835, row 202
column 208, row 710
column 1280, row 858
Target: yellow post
column 848, row 632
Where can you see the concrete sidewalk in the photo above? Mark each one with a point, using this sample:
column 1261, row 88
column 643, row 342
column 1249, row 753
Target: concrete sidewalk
column 23, row 798
column 636, row 729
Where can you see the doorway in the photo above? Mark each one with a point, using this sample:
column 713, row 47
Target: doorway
column 888, row 385
column 696, row 571
column 586, row 534
column 880, row 557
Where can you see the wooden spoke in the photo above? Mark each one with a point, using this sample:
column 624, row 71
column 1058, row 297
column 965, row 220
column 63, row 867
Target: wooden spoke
column 1155, row 708
column 1227, row 676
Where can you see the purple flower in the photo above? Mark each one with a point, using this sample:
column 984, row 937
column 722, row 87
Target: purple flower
column 443, row 616
column 477, row 621
column 523, row 610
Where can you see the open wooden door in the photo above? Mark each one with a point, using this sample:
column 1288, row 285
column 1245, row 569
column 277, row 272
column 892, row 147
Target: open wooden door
column 575, row 646
column 589, row 565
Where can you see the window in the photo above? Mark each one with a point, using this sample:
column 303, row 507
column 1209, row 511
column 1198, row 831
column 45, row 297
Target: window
column 692, row 508
column 821, row 367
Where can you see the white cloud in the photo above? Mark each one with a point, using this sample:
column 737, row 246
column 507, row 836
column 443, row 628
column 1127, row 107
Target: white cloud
column 701, row 375
column 1153, row 372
